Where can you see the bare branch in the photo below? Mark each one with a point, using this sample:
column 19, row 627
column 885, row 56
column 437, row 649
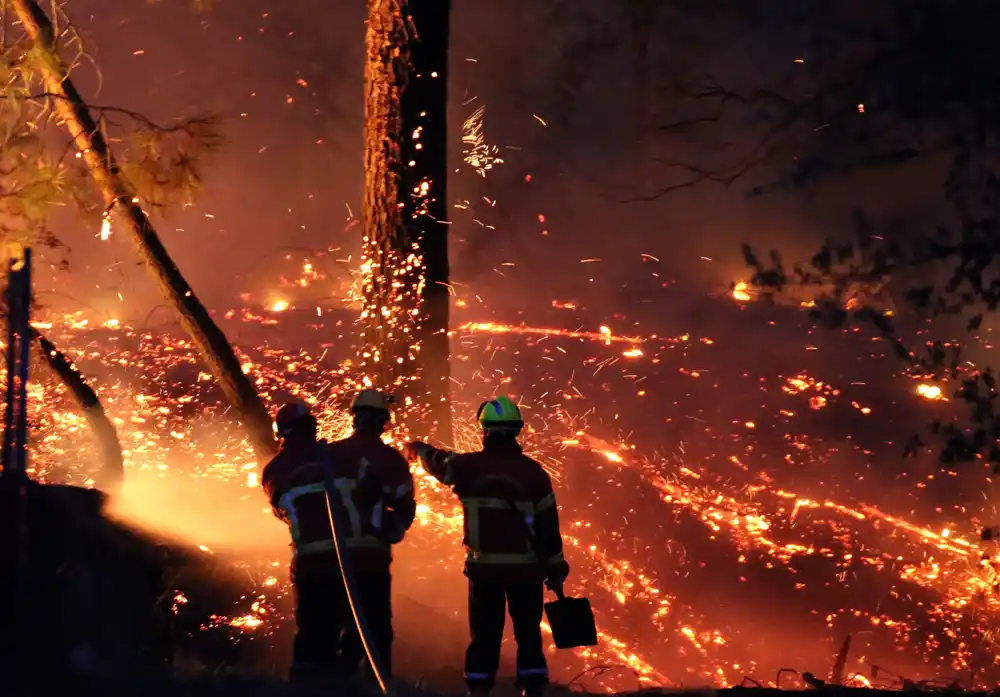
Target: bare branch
column 186, row 125
column 726, row 178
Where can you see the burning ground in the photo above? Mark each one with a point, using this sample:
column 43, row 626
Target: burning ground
column 733, row 494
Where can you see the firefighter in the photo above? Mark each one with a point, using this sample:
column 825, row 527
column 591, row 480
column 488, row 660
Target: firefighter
column 513, row 544
column 376, row 492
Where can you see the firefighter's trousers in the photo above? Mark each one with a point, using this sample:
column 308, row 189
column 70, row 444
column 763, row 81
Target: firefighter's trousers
column 488, row 607
column 327, row 639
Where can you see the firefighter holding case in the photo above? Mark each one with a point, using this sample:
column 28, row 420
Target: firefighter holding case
column 513, row 541
column 376, row 493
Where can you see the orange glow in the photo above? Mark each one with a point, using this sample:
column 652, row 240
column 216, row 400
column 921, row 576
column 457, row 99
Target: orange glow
column 738, row 503
column 740, row 292
column 604, row 334
column 931, row 392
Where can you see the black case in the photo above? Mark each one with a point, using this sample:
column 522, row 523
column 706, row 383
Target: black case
column 572, row 622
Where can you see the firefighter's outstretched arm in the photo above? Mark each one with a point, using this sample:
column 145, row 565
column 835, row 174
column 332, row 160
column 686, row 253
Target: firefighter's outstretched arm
column 548, row 536
column 437, row 462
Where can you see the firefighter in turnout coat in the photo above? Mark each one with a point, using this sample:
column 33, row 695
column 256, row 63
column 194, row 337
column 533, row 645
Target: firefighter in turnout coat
column 514, row 546
column 376, row 495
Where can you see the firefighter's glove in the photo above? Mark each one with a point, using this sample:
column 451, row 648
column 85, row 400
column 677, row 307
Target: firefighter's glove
column 412, row 450
column 392, row 529
column 556, row 577
column 555, row 584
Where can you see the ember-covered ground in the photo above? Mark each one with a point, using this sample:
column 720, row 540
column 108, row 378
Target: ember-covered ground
column 733, row 494
column 259, row 688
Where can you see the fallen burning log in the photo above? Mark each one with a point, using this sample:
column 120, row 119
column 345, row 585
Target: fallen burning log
column 112, row 462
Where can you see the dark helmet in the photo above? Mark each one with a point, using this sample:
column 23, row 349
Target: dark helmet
column 291, row 417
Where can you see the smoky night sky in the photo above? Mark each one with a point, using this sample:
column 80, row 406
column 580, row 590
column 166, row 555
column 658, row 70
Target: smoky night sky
column 288, row 78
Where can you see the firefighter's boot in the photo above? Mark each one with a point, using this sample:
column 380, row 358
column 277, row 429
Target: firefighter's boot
column 533, row 690
column 479, row 690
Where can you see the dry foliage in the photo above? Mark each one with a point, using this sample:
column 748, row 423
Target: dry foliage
column 40, row 171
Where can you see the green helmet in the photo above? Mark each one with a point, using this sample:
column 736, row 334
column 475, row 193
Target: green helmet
column 499, row 413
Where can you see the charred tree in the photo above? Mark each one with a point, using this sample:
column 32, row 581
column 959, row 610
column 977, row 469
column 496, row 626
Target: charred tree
column 405, row 342
column 212, row 343
column 112, row 463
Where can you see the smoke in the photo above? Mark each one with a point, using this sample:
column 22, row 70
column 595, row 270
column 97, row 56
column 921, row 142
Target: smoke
column 545, row 225
column 666, row 464
column 214, row 514
column 231, row 524
column 291, row 174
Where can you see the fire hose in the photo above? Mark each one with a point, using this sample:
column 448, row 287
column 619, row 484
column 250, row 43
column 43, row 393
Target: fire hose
column 335, row 512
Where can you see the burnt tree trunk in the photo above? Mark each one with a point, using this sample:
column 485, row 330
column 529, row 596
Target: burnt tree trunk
column 112, row 463
column 212, row 343
column 405, row 343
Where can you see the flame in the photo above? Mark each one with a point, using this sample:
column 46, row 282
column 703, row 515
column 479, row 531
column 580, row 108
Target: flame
column 105, row 233
column 931, row 392
column 603, row 334
column 247, row 622
column 740, row 291
column 735, row 502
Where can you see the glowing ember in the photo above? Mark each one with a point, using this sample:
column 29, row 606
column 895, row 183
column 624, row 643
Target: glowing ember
column 480, row 155
column 740, row 292
column 247, row 622
column 105, row 233
column 931, row 392
column 604, row 334
column 727, row 508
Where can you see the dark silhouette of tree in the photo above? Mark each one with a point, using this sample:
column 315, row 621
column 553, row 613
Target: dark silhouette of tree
column 881, row 85
column 406, row 278
column 38, row 175
column 865, row 86
column 105, row 434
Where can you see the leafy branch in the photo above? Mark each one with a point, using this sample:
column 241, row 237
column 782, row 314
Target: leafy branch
column 161, row 162
column 954, row 276
column 870, row 87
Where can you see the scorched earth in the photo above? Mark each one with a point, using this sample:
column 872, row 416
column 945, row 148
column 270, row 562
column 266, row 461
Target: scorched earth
column 734, row 499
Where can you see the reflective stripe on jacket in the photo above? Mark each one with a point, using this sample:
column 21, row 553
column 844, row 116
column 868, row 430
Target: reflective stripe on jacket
column 374, row 486
column 511, row 521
